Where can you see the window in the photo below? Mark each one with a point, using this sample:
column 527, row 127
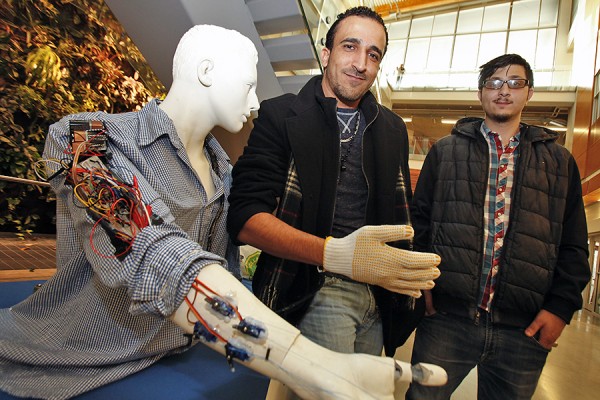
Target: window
column 525, row 14
column 470, row 20
column 465, row 52
column 523, row 43
column 596, row 104
column 495, row 18
column 444, row 24
column 416, row 53
column 440, row 53
column 437, row 50
column 421, row 27
column 492, row 45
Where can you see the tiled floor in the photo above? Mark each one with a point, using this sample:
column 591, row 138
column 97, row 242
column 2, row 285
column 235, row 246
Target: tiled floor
column 572, row 371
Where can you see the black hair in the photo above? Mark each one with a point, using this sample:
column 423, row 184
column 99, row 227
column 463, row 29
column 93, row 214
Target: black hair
column 360, row 11
column 487, row 69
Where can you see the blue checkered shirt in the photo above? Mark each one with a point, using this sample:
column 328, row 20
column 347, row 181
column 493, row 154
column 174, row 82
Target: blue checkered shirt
column 99, row 319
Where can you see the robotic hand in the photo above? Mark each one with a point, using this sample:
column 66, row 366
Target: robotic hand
column 227, row 317
column 365, row 257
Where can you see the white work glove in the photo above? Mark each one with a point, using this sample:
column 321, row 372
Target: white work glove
column 364, row 256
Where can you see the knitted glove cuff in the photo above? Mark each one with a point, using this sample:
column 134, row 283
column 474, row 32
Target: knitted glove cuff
column 338, row 255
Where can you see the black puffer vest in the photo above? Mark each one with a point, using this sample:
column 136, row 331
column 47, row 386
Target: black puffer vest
column 531, row 245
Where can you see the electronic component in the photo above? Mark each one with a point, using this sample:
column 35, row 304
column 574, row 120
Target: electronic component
column 92, row 163
column 251, row 327
column 221, row 306
column 234, row 350
column 201, row 332
column 90, row 134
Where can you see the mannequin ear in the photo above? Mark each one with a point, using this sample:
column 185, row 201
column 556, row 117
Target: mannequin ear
column 204, row 75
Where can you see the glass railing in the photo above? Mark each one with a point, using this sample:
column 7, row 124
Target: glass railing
column 319, row 15
column 545, row 79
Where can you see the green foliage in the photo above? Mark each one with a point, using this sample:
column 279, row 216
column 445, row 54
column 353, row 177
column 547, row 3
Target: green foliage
column 57, row 57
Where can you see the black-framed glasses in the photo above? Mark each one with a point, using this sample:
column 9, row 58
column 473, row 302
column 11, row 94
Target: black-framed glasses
column 512, row 83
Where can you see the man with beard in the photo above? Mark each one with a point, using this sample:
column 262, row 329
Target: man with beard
column 332, row 164
column 500, row 202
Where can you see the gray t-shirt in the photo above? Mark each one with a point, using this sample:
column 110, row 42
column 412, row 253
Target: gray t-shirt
column 351, row 200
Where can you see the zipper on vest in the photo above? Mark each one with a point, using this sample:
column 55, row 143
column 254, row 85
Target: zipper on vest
column 477, row 315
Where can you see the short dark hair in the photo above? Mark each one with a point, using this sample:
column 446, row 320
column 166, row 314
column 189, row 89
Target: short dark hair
column 360, row 11
column 487, row 69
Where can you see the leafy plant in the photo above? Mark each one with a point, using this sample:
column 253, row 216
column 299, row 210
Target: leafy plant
column 57, row 57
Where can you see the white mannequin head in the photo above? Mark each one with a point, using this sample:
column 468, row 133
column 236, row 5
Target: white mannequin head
column 218, row 67
column 206, row 42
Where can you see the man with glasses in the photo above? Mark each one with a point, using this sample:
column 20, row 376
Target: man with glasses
column 500, row 202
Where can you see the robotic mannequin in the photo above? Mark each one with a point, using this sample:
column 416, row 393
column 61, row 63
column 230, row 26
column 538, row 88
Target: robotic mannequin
column 141, row 198
column 221, row 88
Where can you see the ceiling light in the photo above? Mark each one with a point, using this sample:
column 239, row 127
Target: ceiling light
column 449, row 121
column 407, row 119
column 553, row 122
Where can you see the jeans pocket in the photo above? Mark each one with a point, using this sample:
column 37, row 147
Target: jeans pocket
column 331, row 281
column 535, row 339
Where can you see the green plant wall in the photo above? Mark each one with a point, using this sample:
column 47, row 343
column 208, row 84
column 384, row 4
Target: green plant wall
column 57, row 57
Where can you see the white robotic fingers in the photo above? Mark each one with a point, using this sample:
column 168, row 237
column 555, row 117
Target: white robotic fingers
column 422, row 373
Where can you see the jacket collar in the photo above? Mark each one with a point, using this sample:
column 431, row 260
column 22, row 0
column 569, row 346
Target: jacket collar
column 470, row 126
column 313, row 90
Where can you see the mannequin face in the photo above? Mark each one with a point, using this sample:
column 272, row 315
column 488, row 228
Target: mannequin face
column 233, row 90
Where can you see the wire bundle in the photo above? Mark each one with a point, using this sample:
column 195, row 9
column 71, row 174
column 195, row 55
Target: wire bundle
column 113, row 204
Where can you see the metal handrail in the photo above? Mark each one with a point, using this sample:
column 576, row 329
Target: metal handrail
column 22, row 180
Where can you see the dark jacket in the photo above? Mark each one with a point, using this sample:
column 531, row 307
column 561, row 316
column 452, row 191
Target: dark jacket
column 306, row 127
column 544, row 261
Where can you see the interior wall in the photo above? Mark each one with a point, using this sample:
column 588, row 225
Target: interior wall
column 586, row 140
column 586, row 134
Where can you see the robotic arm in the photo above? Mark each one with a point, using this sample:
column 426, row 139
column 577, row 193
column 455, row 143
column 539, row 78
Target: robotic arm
column 221, row 312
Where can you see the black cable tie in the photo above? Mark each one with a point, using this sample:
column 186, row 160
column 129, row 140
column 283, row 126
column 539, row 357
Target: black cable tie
column 54, row 175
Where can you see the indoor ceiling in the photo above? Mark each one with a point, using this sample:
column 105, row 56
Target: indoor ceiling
column 433, row 121
column 393, row 8
column 388, row 7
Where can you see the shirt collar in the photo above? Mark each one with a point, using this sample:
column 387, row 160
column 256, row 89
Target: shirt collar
column 485, row 131
column 154, row 123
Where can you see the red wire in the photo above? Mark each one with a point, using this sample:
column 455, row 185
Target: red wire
column 202, row 321
column 199, row 282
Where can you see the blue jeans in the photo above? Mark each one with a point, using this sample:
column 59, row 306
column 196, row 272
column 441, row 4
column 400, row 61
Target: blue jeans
column 343, row 317
column 508, row 363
